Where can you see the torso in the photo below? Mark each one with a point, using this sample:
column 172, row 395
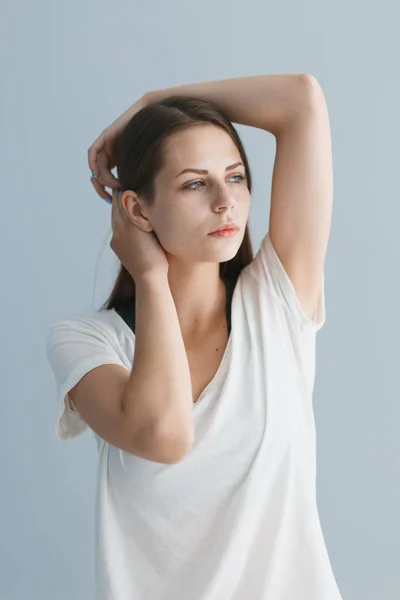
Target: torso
column 204, row 358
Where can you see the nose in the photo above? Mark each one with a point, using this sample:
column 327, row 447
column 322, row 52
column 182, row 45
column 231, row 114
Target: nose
column 223, row 198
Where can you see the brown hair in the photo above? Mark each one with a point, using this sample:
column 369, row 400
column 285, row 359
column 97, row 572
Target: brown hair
column 140, row 156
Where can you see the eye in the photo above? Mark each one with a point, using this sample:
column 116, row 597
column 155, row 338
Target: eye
column 188, row 186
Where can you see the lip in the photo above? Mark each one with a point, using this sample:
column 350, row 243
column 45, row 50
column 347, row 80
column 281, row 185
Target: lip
column 226, row 227
column 225, row 233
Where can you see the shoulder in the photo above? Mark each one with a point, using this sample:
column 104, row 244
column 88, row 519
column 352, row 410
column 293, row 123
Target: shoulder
column 105, row 325
column 266, row 279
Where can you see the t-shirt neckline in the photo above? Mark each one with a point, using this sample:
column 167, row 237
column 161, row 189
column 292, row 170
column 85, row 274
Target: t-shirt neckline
column 217, row 374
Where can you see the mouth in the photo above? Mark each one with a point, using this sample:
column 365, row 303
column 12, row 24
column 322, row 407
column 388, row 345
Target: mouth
column 228, row 227
column 225, row 232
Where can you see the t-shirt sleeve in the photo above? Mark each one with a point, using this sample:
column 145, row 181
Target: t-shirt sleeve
column 74, row 347
column 267, row 267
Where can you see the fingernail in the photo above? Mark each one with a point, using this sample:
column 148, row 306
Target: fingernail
column 108, row 200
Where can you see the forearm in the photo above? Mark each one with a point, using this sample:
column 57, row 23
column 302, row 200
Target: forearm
column 158, row 395
column 264, row 101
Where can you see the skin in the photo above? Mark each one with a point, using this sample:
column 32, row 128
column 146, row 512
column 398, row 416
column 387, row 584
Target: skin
column 182, row 219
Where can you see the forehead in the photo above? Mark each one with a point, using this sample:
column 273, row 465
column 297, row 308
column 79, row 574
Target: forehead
column 202, row 146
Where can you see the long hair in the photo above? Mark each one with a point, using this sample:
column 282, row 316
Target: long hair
column 140, row 155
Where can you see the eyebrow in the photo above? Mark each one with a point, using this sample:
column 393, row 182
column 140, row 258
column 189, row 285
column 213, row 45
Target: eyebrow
column 205, row 172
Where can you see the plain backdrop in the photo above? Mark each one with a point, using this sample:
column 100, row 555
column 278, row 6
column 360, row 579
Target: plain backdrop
column 68, row 69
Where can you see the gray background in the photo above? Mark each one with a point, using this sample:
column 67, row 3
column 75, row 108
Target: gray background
column 68, row 70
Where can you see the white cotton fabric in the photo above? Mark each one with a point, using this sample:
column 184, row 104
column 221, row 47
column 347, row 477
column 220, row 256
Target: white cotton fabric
column 237, row 518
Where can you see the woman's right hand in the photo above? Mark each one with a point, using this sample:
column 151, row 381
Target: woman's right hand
column 139, row 251
column 101, row 154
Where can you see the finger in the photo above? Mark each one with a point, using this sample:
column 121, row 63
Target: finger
column 93, row 153
column 107, row 179
column 105, row 176
column 100, row 189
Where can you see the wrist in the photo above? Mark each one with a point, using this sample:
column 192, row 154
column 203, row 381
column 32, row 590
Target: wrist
column 149, row 97
column 151, row 278
column 138, row 105
column 128, row 114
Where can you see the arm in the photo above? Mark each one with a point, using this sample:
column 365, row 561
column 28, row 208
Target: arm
column 264, row 101
column 159, row 389
column 293, row 109
column 147, row 410
column 267, row 102
column 302, row 198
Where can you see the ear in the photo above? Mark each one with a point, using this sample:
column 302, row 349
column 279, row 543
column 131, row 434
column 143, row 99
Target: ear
column 134, row 207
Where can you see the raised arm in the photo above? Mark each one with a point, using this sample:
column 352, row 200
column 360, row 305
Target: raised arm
column 293, row 109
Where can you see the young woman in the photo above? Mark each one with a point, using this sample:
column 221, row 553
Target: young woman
column 196, row 376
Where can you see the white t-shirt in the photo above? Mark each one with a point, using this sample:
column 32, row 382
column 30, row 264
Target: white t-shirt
column 237, row 518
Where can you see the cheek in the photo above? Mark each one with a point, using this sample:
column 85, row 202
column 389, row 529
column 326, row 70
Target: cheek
column 170, row 221
column 174, row 229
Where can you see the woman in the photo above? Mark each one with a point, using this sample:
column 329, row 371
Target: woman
column 197, row 374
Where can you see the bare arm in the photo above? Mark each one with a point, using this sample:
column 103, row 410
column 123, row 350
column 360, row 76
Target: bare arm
column 291, row 107
column 267, row 102
column 159, row 389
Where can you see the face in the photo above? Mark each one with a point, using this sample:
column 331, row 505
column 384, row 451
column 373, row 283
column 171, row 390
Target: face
column 188, row 206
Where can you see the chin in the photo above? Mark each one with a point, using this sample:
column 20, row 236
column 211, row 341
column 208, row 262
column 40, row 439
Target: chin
column 225, row 256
